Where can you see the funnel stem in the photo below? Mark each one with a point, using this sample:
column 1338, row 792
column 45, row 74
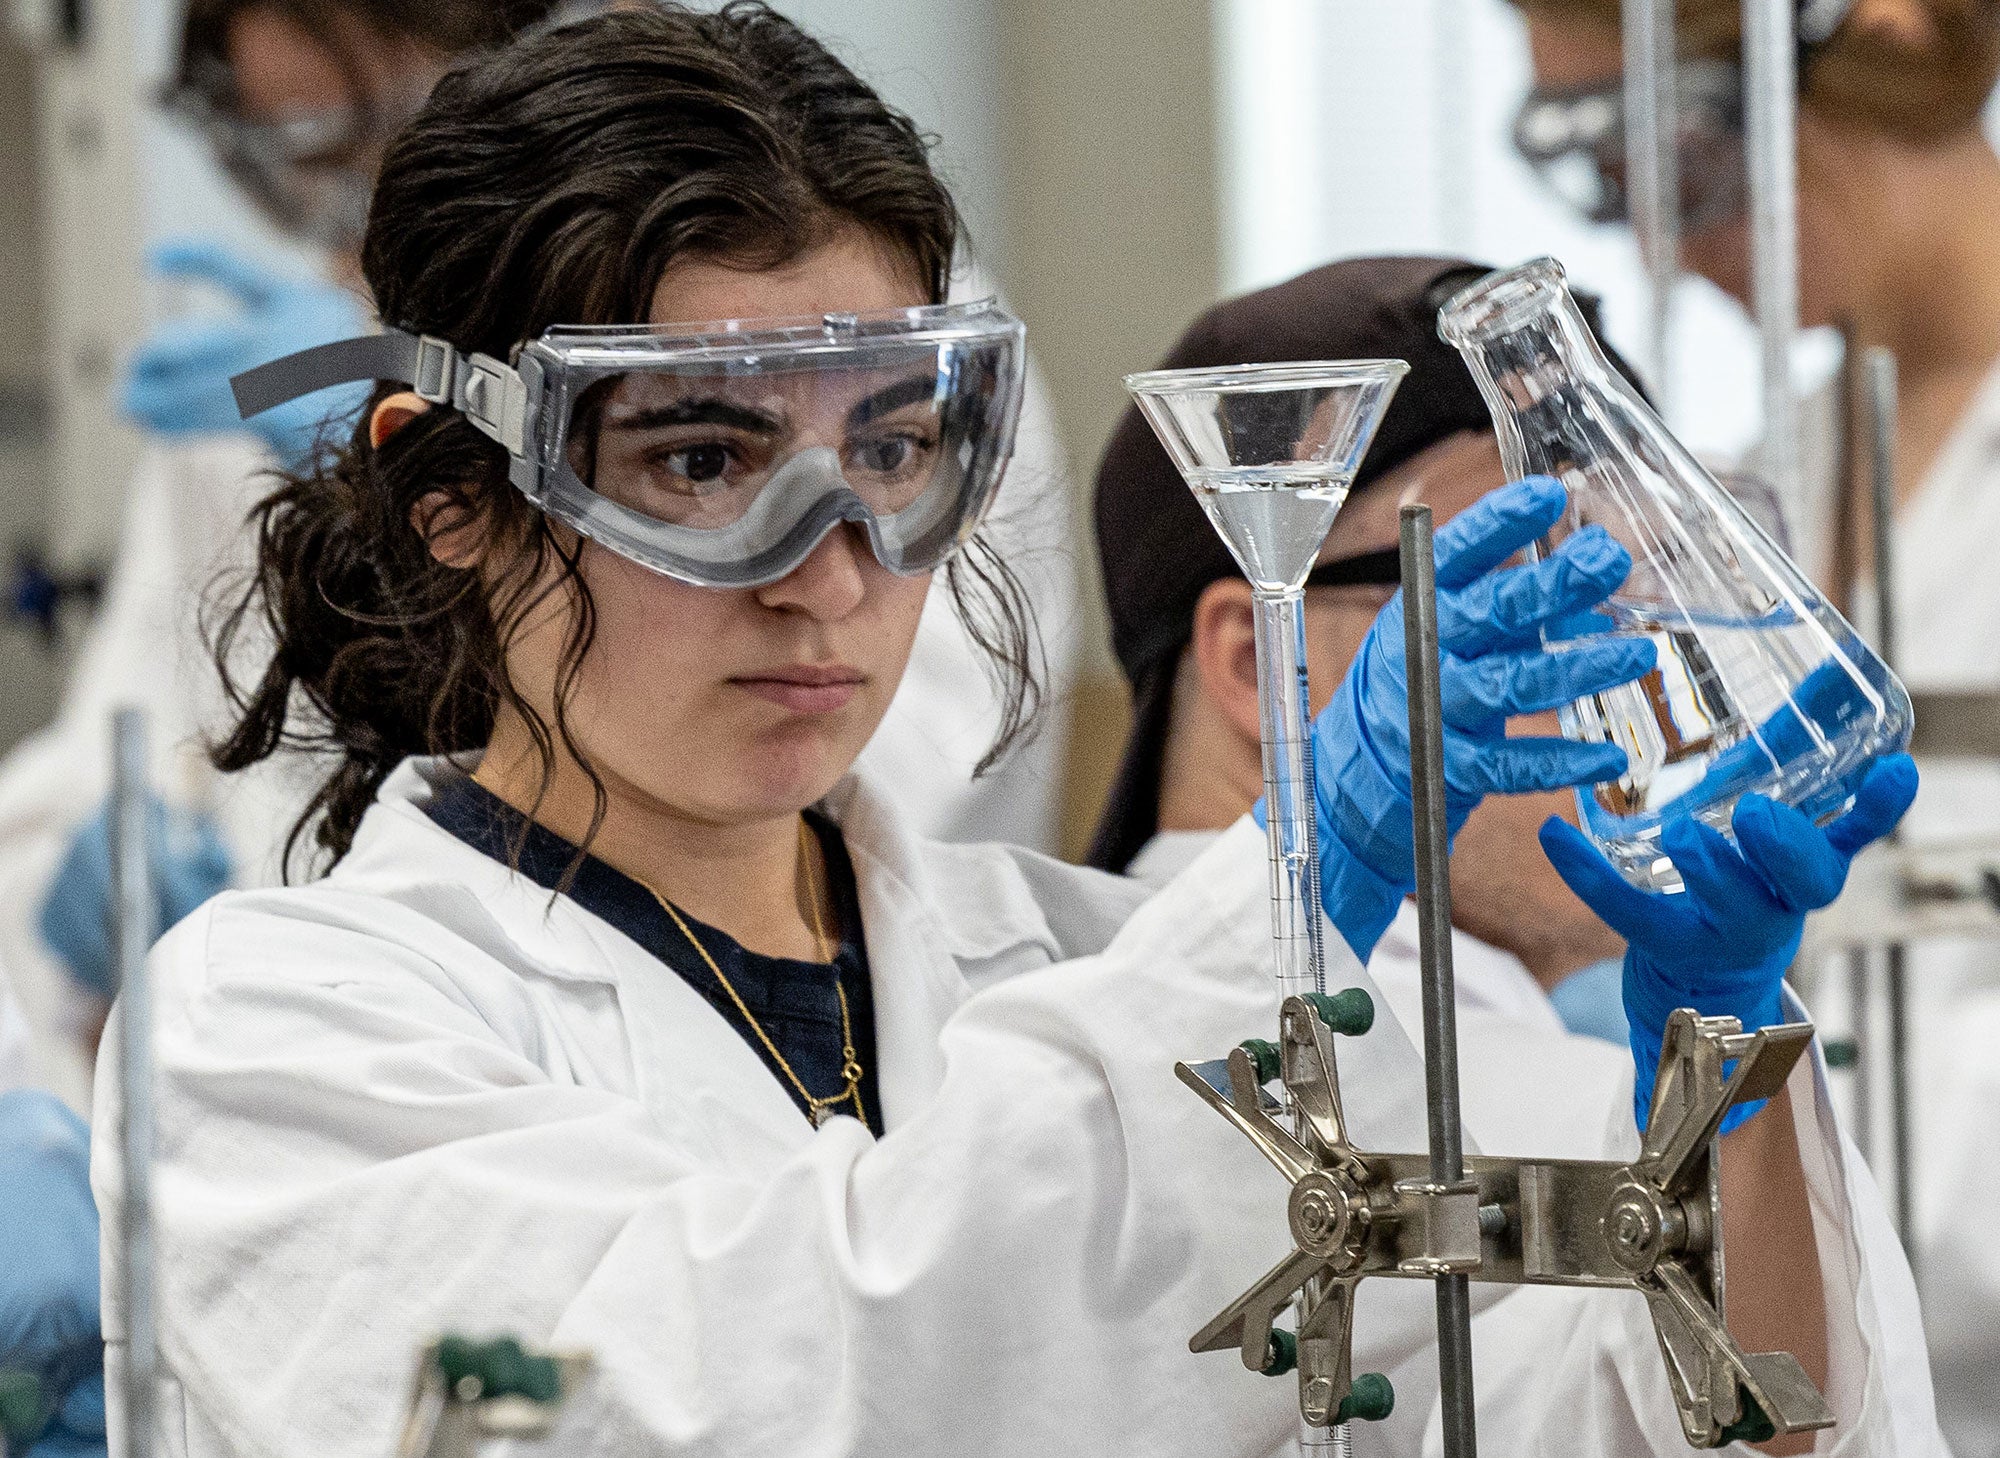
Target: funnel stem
column 1288, row 792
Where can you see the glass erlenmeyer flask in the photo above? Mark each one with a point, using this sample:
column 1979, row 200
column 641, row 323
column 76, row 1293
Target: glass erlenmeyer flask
column 1761, row 684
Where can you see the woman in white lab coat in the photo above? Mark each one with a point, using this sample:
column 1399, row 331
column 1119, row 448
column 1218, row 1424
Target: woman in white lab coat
column 1899, row 223
column 268, row 84
column 628, row 1018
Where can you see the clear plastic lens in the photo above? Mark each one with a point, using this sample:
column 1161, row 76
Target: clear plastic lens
column 1761, row 685
column 696, row 451
column 721, row 455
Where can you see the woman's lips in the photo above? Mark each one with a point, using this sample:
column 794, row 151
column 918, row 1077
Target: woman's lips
column 805, row 690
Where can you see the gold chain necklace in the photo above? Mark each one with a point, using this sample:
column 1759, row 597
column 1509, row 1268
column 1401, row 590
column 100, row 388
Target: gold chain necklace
column 819, row 1110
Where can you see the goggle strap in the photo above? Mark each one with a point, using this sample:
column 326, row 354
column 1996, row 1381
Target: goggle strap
column 487, row 392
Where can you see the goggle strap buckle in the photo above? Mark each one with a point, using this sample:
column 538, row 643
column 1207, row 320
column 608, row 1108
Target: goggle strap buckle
column 486, row 391
column 435, row 370
column 493, row 397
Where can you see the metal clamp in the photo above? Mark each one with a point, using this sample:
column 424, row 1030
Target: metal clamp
column 1652, row 1225
column 466, row 1391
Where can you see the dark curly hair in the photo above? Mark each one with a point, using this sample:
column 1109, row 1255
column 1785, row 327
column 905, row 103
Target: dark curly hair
column 553, row 182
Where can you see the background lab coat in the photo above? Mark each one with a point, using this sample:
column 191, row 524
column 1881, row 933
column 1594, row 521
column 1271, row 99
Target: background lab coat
column 421, row 1096
column 183, row 531
column 1947, row 555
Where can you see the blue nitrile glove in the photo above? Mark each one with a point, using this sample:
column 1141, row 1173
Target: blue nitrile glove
column 1722, row 946
column 49, row 1326
column 178, row 381
column 190, row 864
column 1492, row 666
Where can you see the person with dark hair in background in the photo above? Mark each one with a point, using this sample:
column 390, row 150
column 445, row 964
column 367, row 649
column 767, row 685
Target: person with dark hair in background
column 1535, row 965
column 1899, row 244
column 629, row 1016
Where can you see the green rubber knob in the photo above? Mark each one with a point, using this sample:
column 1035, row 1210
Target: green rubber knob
column 1755, row 1426
column 21, row 1407
column 1369, row 1400
column 501, row 1368
column 1842, row 1052
column 1351, row 1012
column 1283, row 1353
column 1263, row 1058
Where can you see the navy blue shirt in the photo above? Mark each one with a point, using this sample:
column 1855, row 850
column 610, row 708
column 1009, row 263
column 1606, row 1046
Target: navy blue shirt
column 794, row 1002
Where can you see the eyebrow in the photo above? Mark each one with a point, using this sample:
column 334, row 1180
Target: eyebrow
column 710, row 410
column 891, row 398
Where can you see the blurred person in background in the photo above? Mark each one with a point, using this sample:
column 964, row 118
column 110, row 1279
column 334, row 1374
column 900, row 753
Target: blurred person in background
column 1182, row 627
column 1899, row 243
column 297, row 100
column 1183, row 623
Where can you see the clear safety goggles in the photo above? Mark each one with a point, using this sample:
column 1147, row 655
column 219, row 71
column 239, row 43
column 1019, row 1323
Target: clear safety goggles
column 1574, row 138
column 722, row 454
column 311, row 172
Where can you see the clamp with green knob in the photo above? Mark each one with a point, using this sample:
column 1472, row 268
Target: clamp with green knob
column 1370, row 1399
column 1264, row 1058
column 499, row 1368
column 1351, row 1011
column 1753, row 1426
column 1284, row 1353
column 24, row 1408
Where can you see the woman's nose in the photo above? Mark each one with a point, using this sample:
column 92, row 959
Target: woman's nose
column 830, row 583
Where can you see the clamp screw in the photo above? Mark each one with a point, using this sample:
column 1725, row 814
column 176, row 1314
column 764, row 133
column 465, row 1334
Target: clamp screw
column 1753, row 1426
column 499, row 1368
column 1351, row 1012
column 1282, row 1355
column 1369, row 1400
column 1263, row 1057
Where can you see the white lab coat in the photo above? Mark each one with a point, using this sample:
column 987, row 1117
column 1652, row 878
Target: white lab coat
column 423, row 1094
column 1528, row 1086
column 183, row 535
column 1948, row 635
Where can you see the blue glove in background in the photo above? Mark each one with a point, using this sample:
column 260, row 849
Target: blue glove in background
column 1591, row 1002
column 178, row 380
column 1722, row 946
column 1492, row 666
column 49, row 1321
column 190, row 864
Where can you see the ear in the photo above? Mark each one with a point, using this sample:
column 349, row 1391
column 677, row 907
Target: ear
column 392, row 414
column 456, row 536
column 1224, row 651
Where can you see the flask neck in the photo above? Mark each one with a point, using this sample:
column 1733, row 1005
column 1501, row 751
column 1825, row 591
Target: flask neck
column 1543, row 348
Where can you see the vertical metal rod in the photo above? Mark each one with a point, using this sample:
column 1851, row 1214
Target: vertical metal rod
column 1897, row 991
column 134, row 906
column 1433, row 848
column 1879, row 383
column 1861, row 999
column 1652, row 163
column 1770, row 103
column 1879, row 380
column 1453, row 113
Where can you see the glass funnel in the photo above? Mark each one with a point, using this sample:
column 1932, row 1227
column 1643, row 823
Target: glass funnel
column 1761, row 684
column 1270, row 451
